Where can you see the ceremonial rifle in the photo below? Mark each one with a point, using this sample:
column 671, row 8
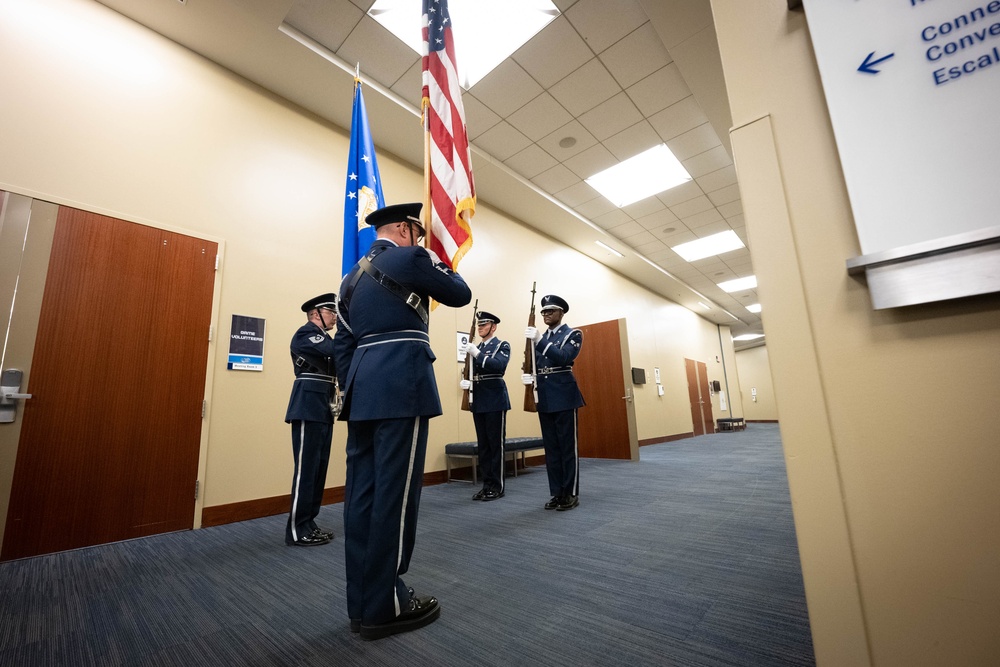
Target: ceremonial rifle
column 530, row 390
column 467, row 393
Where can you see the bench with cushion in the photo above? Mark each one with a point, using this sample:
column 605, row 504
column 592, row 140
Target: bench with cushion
column 731, row 424
column 470, row 450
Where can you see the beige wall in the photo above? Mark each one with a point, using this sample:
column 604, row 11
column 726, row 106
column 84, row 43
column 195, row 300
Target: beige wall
column 104, row 115
column 755, row 373
column 888, row 418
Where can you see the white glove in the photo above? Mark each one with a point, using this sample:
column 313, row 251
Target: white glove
column 470, row 348
column 533, row 334
column 527, row 379
column 434, row 257
column 465, row 384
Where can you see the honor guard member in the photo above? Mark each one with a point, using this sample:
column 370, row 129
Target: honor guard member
column 310, row 412
column 489, row 403
column 384, row 358
column 559, row 398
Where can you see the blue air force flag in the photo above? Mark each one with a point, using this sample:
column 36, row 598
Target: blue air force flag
column 364, row 186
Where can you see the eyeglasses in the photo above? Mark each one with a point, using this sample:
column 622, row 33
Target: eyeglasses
column 416, row 229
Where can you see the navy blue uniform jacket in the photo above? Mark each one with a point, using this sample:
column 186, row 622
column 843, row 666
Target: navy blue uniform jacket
column 313, row 386
column 554, row 355
column 381, row 348
column 489, row 391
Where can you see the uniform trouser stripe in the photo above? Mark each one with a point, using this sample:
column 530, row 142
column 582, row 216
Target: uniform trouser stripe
column 402, row 512
column 297, row 480
column 562, row 461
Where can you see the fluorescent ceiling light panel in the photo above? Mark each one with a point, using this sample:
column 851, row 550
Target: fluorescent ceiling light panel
column 644, row 175
column 716, row 244
column 485, row 33
column 748, row 337
column 608, row 248
column 740, row 283
column 754, row 308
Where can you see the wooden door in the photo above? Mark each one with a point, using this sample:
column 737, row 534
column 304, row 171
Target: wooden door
column 110, row 439
column 603, row 423
column 701, row 401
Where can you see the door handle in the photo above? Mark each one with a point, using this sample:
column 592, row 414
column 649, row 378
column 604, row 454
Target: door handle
column 10, row 393
column 628, row 395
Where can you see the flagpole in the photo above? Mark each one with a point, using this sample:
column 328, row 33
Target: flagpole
column 426, row 209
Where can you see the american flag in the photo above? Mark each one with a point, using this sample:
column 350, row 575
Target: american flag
column 450, row 199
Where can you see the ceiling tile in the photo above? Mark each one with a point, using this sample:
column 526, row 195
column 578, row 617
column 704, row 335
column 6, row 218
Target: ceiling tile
column 385, row 64
column 329, row 22
column 643, row 207
column 693, row 142
column 640, row 238
column 636, row 56
column 583, row 141
column 707, row 162
column 678, row 238
column 718, row 180
column 595, row 207
column 653, row 246
column 506, row 89
column 691, row 206
column 555, row 179
column 539, row 117
column 478, row 116
column 732, row 209
column 712, row 228
column 627, row 229
column 553, row 53
column 682, row 192
column 409, row 85
column 585, row 88
column 632, row 141
column 678, row 118
column 725, row 195
column 577, row 194
column 611, row 117
column 531, row 161
column 612, row 219
column 659, row 90
column 660, row 219
column 591, row 161
column 502, row 141
column 703, row 218
column 601, row 23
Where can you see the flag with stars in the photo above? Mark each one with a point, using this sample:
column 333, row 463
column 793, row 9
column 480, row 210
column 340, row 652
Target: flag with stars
column 450, row 194
column 364, row 186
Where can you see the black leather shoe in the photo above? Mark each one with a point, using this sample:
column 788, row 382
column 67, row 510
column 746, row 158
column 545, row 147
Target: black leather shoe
column 355, row 625
column 480, row 494
column 421, row 612
column 492, row 494
column 554, row 503
column 319, row 532
column 568, row 503
column 310, row 540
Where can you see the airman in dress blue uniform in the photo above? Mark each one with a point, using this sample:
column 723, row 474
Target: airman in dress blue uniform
column 559, row 398
column 383, row 358
column 309, row 412
column 489, row 403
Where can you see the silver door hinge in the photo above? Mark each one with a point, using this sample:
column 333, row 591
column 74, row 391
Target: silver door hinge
column 216, row 262
column 204, row 408
column 211, row 332
column 197, row 487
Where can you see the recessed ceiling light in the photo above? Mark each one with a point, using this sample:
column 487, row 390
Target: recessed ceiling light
column 754, row 308
column 716, row 244
column 567, row 142
column 669, row 230
column 748, row 337
column 748, row 282
column 485, row 32
column 641, row 176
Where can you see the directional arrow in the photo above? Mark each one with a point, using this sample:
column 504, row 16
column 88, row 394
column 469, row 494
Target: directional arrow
column 867, row 66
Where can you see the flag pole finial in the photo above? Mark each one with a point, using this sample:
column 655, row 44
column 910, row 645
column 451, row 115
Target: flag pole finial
column 357, row 73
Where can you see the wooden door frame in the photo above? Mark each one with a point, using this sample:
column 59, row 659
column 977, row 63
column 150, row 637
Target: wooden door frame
column 31, row 289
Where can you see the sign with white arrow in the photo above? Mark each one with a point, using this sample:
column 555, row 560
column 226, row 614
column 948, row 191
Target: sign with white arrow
column 913, row 88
